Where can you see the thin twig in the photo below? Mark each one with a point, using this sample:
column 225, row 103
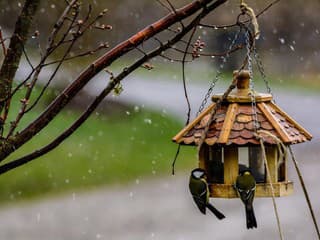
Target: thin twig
column 235, row 24
column 13, row 56
column 175, row 11
column 237, row 47
column 16, row 163
column 50, row 50
column 174, row 59
column 51, row 77
column 27, row 57
column 90, row 52
column 163, row 5
column 59, row 23
column 184, row 75
column 4, row 49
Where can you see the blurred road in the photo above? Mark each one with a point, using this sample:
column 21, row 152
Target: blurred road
column 161, row 209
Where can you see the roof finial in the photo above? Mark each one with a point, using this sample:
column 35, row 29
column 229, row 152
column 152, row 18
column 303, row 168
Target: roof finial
column 243, row 83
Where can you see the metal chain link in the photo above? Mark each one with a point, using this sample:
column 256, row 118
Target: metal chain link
column 252, row 92
column 217, row 77
column 262, row 71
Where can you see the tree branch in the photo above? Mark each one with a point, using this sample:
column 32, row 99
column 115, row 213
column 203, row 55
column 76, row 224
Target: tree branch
column 235, row 24
column 116, row 80
column 15, row 50
column 61, row 101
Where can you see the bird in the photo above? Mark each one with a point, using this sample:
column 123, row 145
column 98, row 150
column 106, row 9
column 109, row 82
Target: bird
column 199, row 190
column 246, row 186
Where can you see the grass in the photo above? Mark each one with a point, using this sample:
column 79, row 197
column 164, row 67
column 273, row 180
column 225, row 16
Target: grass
column 107, row 149
column 111, row 149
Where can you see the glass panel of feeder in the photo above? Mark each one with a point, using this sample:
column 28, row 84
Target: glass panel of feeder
column 243, row 158
column 256, row 163
column 214, row 164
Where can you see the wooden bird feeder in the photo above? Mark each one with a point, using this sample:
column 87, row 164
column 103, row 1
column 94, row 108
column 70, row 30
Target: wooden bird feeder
column 231, row 144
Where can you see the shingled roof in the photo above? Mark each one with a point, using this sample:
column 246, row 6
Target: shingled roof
column 233, row 122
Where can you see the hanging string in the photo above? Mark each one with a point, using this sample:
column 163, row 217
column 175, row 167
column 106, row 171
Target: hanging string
column 184, row 74
column 281, row 147
column 305, row 192
column 175, row 159
column 217, row 77
column 185, row 94
column 271, row 185
column 245, row 9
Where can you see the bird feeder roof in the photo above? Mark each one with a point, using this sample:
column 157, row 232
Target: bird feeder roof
column 234, row 121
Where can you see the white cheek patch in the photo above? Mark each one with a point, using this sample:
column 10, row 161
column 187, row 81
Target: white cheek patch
column 197, row 174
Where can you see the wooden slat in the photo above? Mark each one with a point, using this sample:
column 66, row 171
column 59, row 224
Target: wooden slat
column 262, row 190
column 202, row 157
column 228, row 123
column 277, row 126
column 292, row 121
column 187, row 128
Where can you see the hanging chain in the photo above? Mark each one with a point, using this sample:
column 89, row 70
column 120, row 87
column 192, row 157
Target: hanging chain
column 217, row 77
column 208, row 94
column 252, row 91
column 262, row 71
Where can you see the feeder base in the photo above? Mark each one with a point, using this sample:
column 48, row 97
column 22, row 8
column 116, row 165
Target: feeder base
column 262, row 190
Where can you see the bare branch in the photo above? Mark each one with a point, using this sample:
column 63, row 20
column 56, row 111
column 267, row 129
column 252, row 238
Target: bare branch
column 115, row 80
column 208, row 54
column 14, row 53
column 51, row 77
column 147, row 33
column 59, row 24
column 163, row 5
column 174, row 59
column 184, row 72
column 236, row 24
column 90, row 52
column 27, row 57
column 37, row 71
column 4, row 49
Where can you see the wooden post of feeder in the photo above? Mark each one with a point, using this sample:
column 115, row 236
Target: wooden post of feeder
column 231, row 167
column 272, row 157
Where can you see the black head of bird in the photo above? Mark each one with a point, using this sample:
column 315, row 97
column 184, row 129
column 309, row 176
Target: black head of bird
column 200, row 192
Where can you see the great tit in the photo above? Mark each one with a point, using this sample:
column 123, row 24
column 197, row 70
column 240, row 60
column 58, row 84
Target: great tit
column 246, row 186
column 200, row 192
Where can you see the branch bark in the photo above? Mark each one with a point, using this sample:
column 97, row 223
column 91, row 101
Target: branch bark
column 25, row 159
column 61, row 101
column 15, row 50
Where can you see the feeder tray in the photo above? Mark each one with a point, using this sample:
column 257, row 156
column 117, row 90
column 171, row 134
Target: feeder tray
column 230, row 143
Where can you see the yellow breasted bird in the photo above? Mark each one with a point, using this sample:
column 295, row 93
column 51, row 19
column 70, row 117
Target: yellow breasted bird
column 200, row 192
column 246, row 186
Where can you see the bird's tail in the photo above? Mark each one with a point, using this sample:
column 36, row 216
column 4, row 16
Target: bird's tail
column 251, row 218
column 215, row 211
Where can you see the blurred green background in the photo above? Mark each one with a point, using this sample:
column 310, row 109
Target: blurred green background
column 127, row 141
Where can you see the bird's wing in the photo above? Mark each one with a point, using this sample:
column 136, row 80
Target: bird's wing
column 247, row 194
column 200, row 197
